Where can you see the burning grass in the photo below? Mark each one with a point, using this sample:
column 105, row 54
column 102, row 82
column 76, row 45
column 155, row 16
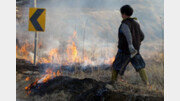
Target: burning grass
column 71, row 55
column 52, row 66
column 132, row 82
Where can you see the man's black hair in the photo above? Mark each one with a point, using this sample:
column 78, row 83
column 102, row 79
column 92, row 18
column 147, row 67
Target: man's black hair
column 127, row 10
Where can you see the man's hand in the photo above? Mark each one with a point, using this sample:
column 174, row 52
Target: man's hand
column 133, row 51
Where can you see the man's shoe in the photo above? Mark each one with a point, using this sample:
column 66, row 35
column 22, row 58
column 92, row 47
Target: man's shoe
column 143, row 76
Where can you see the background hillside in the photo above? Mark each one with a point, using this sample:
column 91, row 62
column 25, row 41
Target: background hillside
column 96, row 23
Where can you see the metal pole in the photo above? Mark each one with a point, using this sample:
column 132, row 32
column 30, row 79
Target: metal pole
column 35, row 47
column 34, row 3
column 35, row 40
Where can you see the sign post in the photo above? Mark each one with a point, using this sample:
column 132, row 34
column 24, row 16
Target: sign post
column 36, row 24
column 35, row 40
column 35, row 46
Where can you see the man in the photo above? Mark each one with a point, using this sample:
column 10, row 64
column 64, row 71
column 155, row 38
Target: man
column 130, row 37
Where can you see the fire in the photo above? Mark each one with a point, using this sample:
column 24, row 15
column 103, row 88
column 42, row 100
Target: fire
column 87, row 60
column 71, row 56
column 54, row 74
column 16, row 50
column 53, row 56
column 44, row 78
column 23, row 52
column 49, row 75
column 26, row 88
column 35, row 82
column 109, row 61
column 58, row 73
column 44, row 60
column 72, row 51
column 27, row 79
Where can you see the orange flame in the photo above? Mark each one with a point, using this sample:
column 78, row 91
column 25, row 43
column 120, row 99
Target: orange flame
column 26, row 88
column 87, row 60
column 27, row 79
column 23, row 53
column 58, row 73
column 53, row 55
column 109, row 61
column 49, row 75
column 72, row 53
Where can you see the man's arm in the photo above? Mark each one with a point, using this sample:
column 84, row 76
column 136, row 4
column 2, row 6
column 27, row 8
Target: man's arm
column 127, row 33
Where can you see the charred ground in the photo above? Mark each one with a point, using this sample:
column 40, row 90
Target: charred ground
column 75, row 89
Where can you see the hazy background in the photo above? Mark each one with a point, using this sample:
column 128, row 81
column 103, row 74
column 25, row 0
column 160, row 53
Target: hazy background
column 96, row 23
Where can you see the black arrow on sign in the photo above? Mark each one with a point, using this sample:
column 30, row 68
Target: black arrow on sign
column 34, row 18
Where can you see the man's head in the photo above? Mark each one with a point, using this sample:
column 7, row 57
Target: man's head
column 126, row 11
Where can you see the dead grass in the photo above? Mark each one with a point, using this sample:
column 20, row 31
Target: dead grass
column 154, row 69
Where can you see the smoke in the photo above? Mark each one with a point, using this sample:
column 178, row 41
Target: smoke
column 96, row 23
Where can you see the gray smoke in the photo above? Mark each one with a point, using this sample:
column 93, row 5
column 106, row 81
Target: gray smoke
column 96, row 23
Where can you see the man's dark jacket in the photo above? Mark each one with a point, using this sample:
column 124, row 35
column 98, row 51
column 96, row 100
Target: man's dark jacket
column 137, row 36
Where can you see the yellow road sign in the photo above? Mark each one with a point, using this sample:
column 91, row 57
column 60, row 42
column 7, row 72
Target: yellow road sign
column 37, row 19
